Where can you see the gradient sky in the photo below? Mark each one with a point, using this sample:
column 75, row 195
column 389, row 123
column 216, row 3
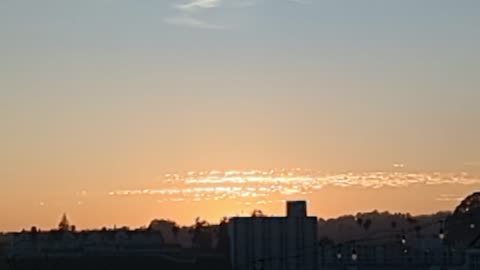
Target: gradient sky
column 105, row 95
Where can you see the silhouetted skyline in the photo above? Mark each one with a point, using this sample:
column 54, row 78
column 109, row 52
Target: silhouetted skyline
column 364, row 241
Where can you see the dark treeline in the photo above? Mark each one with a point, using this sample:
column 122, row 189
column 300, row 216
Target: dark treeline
column 460, row 227
column 208, row 244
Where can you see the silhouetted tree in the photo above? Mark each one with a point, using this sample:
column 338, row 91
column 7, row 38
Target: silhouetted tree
column 258, row 213
column 175, row 231
column 367, row 224
column 202, row 237
column 340, row 229
column 223, row 245
column 410, row 219
column 64, row 224
column 463, row 226
column 359, row 221
column 417, row 229
column 200, row 223
column 393, row 224
column 34, row 233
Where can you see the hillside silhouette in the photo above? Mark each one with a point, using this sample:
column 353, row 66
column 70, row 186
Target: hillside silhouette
column 207, row 245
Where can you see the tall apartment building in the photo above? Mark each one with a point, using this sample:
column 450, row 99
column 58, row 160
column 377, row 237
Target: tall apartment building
column 275, row 243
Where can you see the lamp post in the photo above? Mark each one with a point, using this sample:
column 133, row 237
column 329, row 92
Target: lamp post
column 354, row 259
column 354, row 255
column 404, row 240
column 441, row 234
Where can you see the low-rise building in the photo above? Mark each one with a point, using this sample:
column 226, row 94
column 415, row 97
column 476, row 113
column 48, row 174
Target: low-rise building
column 66, row 243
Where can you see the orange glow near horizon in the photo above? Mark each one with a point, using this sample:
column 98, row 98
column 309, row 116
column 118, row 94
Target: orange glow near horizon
column 120, row 112
column 182, row 197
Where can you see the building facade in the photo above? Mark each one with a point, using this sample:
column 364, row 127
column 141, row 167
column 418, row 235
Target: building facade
column 275, row 243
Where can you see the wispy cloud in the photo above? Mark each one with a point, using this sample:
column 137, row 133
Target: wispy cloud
column 301, row 1
column 199, row 4
column 399, row 165
column 185, row 14
column 187, row 21
column 187, row 11
column 449, row 198
column 472, row 164
column 269, row 185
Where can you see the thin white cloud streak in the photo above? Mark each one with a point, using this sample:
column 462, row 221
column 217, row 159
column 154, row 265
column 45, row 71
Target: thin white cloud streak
column 472, row 164
column 185, row 19
column 449, row 198
column 184, row 15
column 300, row 1
column 199, row 4
column 256, row 184
column 191, row 22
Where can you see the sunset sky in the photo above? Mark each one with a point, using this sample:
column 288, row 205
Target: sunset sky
column 121, row 111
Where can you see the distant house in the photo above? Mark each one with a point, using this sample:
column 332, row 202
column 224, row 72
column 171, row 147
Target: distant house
column 29, row 244
column 66, row 243
column 274, row 242
column 473, row 255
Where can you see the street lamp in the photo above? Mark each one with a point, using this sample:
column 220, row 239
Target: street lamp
column 354, row 255
column 441, row 234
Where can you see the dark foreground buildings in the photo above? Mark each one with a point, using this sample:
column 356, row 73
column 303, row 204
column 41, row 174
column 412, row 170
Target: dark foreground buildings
column 252, row 243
